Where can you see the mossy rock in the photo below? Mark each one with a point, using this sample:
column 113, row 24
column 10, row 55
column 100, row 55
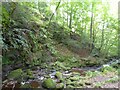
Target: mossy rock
column 49, row 83
column 60, row 85
column 59, row 75
column 15, row 74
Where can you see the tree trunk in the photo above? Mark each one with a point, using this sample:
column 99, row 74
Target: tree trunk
column 70, row 22
column 119, row 29
column 102, row 39
column 54, row 12
column 91, row 27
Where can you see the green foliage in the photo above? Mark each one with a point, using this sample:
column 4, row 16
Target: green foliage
column 26, row 31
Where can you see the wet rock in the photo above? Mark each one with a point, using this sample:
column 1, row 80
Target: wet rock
column 41, row 78
column 16, row 74
column 49, row 83
column 26, row 85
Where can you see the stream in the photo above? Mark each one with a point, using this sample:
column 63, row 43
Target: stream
column 41, row 74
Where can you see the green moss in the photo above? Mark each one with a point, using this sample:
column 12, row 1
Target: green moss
column 15, row 74
column 49, row 83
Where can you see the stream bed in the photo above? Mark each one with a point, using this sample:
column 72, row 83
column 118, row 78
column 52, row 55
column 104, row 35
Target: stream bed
column 74, row 78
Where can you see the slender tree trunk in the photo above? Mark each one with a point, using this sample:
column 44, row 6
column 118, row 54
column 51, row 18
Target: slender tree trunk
column 102, row 39
column 67, row 19
column 93, row 40
column 70, row 22
column 67, row 15
column 54, row 12
column 91, row 27
column 119, row 29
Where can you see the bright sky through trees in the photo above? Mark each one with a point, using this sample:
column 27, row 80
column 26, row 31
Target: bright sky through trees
column 114, row 7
